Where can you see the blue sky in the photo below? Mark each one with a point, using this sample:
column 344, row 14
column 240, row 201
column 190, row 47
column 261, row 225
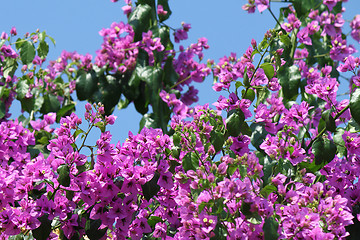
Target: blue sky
column 75, row 26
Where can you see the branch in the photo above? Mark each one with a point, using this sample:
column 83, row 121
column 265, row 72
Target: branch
column 323, row 131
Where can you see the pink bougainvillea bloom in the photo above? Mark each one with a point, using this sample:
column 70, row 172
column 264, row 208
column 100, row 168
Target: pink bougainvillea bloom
column 355, row 26
column 8, row 51
column 330, row 4
column 181, row 34
column 262, row 5
column 161, row 11
column 303, row 36
column 351, row 63
column 250, row 6
column 13, row 31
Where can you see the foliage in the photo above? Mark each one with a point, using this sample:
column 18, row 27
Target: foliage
column 277, row 158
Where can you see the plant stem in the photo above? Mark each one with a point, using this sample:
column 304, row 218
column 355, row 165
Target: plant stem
column 323, row 131
column 176, row 84
column 277, row 21
column 257, row 67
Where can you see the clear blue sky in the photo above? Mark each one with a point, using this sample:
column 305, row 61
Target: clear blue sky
column 75, row 26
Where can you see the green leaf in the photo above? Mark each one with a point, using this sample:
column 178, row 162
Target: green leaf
column 18, row 43
column 268, row 69
column 245, row 129
column 27, row 52
column 44, row 230
column 267, row 190
column 27, row 104
column 43, row 140
column 42, row 36
column 51, row 104
column 21, row 236
column 233, row 123
column 108, row 90
column 147, row 121
column 149, row 74
column 289, row 79
column 311, row 167
column 112, row 91
column 268, row 167
column 193, row 138
column 86, row 84
column 248, row 94
column 151, row 188
column 352, row 126
column 64, row 175
column 355, row 105
column 190, row 161
column 101, row 126
column 324, row 150
column 285, row 40
column 258, row 135
column 231, row 169
column 2, row 109
column 255, row 219
column 153, row 220
column 318, row 48
column 176, row 139
column 135, row 91
column 262, row 94
column 339, row 142
column 39, row 101
column 173, row 163
column 321, row 125
column 238, row 84
column 77, row 132
column 263, row 44
column 217, row 139
column 166, row 7
column 92, row 229
column 10, row 67
column 43, row 49
column 254, row 52
column 152, row 76
column 164, row 35
column 140, row 20
column 246, row 80
column 70, row 195
column 329, row 120
column 64, row 111
column 170, row 76
column 32, row 104
column 22, row 89
column 252, row 217
column 4, row 92
column 123, row 103
column 303, row 7
column 52, row 40
column 270, row 228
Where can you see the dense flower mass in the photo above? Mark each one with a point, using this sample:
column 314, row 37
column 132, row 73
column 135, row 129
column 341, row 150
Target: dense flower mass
column 275, row 157
column 118, row 50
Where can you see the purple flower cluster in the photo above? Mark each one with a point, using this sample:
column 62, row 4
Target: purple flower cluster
column 308, row 210
column 351, row 64
column 229, row 69
column 113, row 189
column 355, row 26
column 261, row 5
column 118, row 49
column 205, row 181
column 20, row 176
column 189, row 69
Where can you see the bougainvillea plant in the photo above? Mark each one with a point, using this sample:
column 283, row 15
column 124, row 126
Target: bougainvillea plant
column 277, row 156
